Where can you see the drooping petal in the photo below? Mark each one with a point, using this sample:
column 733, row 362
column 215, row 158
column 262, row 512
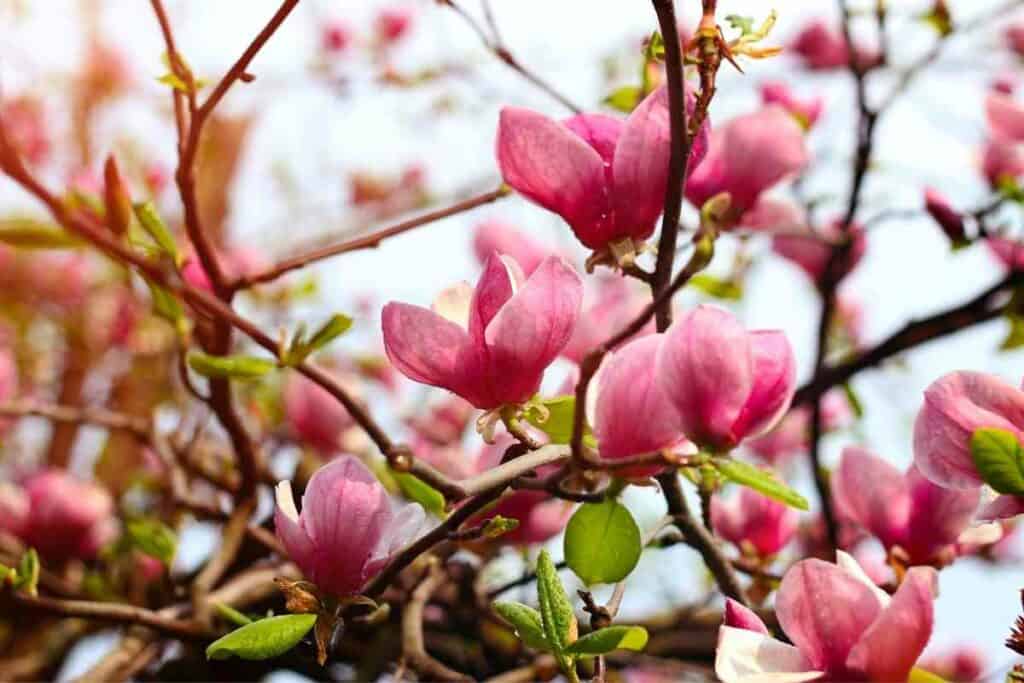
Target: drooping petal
column 744, row 656
column 954, row 407
column 873, row 494
column 824, row 610
column 551, row 165
column 774, row 384
column 534, row 326
column 738, row 615
column 891, row 646
column 425, row 347
column 629, row 388
column 1003, row 507
column 640, row 168
column 707, row 369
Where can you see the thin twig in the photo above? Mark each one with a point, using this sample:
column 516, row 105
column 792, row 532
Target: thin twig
column 414, row 651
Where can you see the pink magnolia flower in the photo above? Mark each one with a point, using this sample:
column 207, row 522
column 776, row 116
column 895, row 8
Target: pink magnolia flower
column 1002, row 162
column 442, row 423
column 1005, row 117
column 1005, row 82
column 347, row 530
column 629, row 386
column 68, row 517
column 756, row 524
column 806, row 111
column 335, row 36
column 490, row 345
column 25, row 123
column 821, row 46
column 963, row 663
column 949, row 219
column 1014, row 37
column 606, row 177
column 496, row 237
column 616, row 305
column 773, row 215
column 791, row 436
column 14, row 509
column 746, row 156
column 157, row 176
column 392, row 23
column 314, row 416
column 726, row 383
column 811, row 252
column 843, row 628
column 903, row 511
column 237, row 262
column 1010, row 253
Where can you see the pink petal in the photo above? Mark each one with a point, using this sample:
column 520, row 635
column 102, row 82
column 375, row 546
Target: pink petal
column 738, row 615
column 600, row 131
column 289, row 530
column 549, row 164
column 496, row 237
column 938, row 515
column 628, row 387
column 954, row 407
column 531, row 329
column 774, row 384
column 824, row 610
column 744, row 656
column 707, row 368
column 1005, row 117
column 641, row 165
column 873, row 494
column 500, row 279
column 426, row 348
column 890, row 647
column 1003, row 507
column 1009, row 252
column 772, row 215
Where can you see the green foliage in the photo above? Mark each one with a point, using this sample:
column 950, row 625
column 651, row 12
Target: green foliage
column 166, row 305
column 301, row 346
column 1000, row 460
column 29, row 233
column 602, row 542
column 727, row 290
column 416, row 490
column 624, row 99
column 553, row 416
column 153, row 537
column 263, row 639
column 28, row 572
column 609, row 639
column 558, row 620
column 155, row 227
column 762, row 481
column 527, row 623
column 234, row 367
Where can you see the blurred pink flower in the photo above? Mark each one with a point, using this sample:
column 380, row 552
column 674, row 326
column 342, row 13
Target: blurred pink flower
column 490, row 345
column 68, row 517
column 347, row 530
column 335, row 36
column 616, row 305
column 726, row 383
column 392, row 24
column 1010, row 253
column 314, row 416
column 1014, row 37
column 606, row 177
column 806, row 111
column 25, row 123
column 962, row 663
column 841, row 625
column 821, row 46
column 811, row 251
column 942, row 212
column 755, row 524
column 14, row 509
column 1002, row 162
column 1005, row 118
column 791, row 437
column 497, row 237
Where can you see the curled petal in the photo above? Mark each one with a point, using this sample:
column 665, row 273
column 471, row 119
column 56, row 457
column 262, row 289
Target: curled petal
column 425, row 347
column 744, row 656
column 738, row 615
column 1003, row 507
column 499, row 281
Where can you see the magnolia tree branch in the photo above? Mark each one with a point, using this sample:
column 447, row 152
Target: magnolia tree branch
column 137, row 426
column 414, row 651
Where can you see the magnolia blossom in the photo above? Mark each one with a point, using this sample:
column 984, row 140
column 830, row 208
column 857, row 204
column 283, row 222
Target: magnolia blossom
column 791, row 436
column 1010, row 253
column 812, row 250
column 628, row 387
column 25, row 123
column 955, row 406
column 14, row 509
column 726, row 383
column 821, row 46
column 1005, row 117
column 902, row 510
column 68, row 517
column 335, row 37
column 392, row 23
column 8, row 380
column 754, row 523
column 347, row 530
column 746, row 156
column 774, row 215
column 490, row 345
column 616, row 305
column 237, row 262
column 606, row 177
column 1002, row 162
column 1014, row 37
column 949, row 219
column 496, row 237
column 314, row 416
column 842, row 626
column 806, row 111
column 963, row 663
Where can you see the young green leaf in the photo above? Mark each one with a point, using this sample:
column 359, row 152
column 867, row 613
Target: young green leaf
column 1000, row 460
column 165, row 304
column 557, row 616
column 726, row 290
column 609, row 639
column 602, row 542
column 760, row 480
column 554, row 418
column 1015, row 336
column 28, row 572
column 29, row 233
column 624, row 99
column 263, row 639
column 301, row 347
column 154, row 226
column 527, row 623
column 417, row 491
column 236, row 367
column 153, row 537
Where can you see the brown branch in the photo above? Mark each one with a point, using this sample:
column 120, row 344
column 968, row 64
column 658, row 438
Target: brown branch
column 139, row 427
column 111, row 612
column 369, row 241
column 232, row 535
column 414, row 652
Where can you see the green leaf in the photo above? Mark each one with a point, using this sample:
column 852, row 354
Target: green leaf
column 236, row 367
column 155, row 227
column 7, row 575
column 602, row 542
column 1000, row 460
column 416, row 490
column 557, row 616
column 173, row 81
column 231, row 615
column 165, row 304
column 554, row 418
column 743, row 24
column 919, row 675
column 498, row 526
column 856, row 405
column 624, row 99
column 761, row 481
column 1015, row 337
column 28, row 572
column 29, row 233
column 301, row 347
column 263, row 639
column 609, row 639
column 154, row 538
column 717, row 287
column 527, row 623
column 655, row 50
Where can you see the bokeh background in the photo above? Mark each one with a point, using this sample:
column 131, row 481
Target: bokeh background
column 316, row 122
